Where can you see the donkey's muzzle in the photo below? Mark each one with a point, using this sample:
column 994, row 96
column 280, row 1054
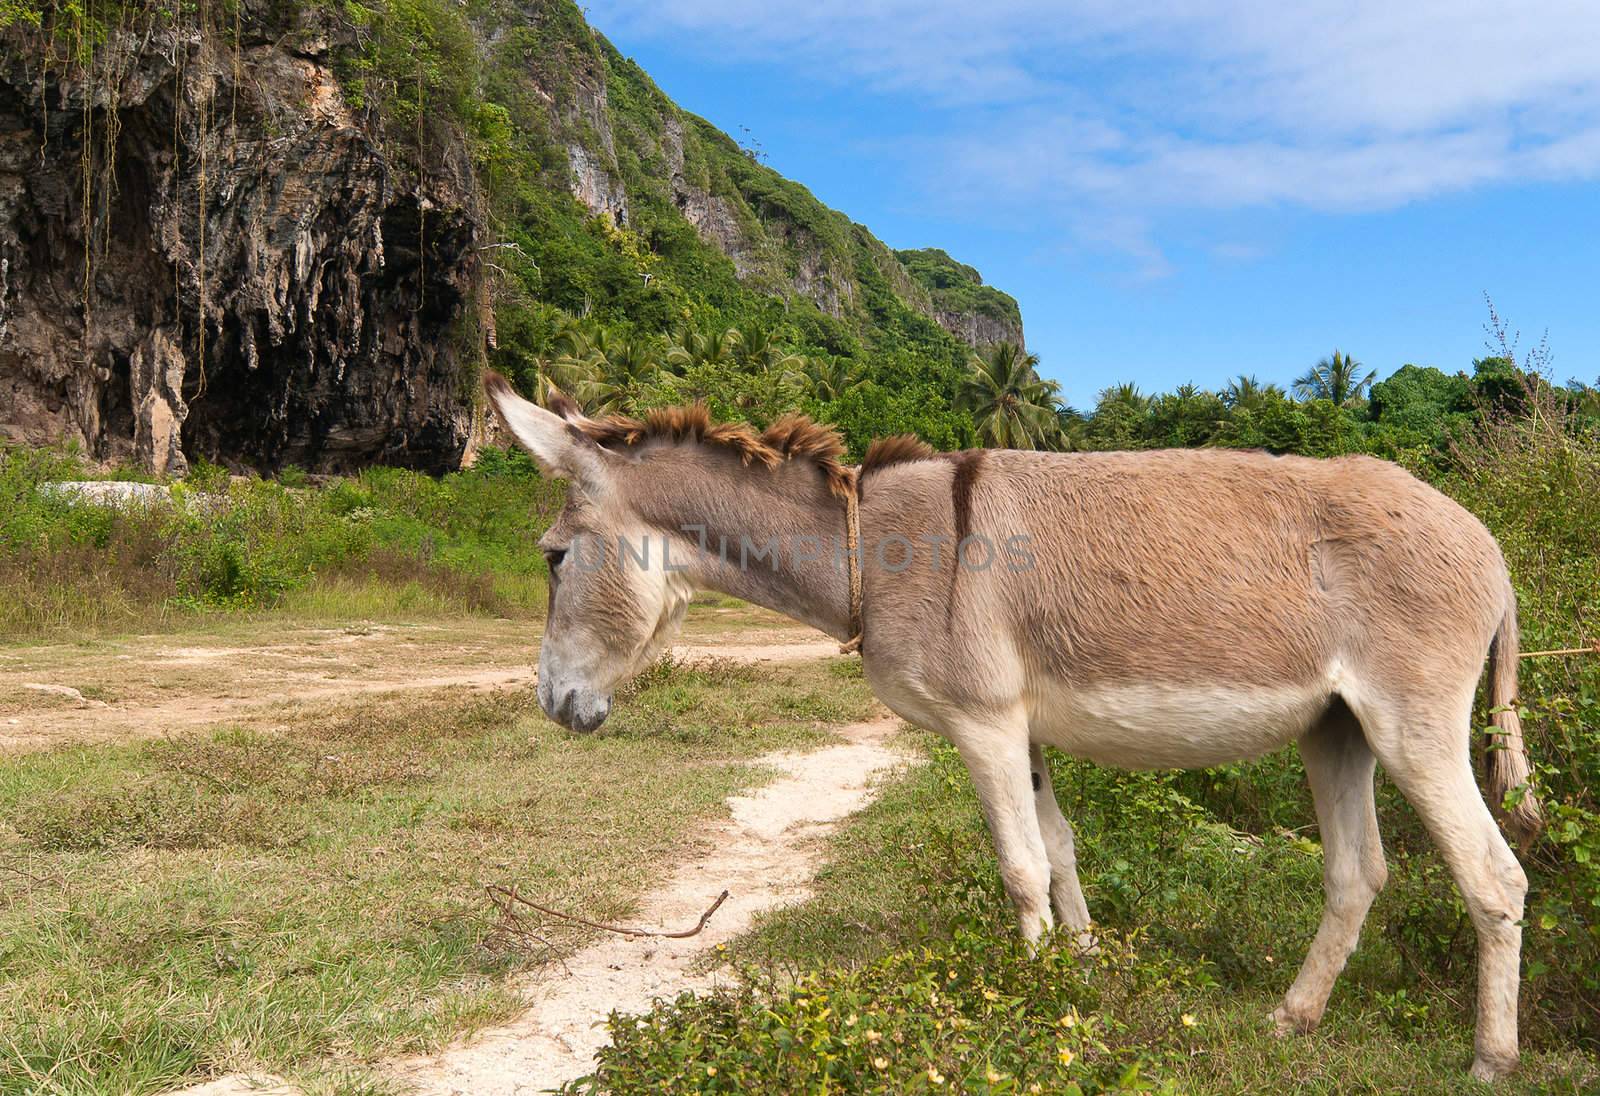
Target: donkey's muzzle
column 576, row 709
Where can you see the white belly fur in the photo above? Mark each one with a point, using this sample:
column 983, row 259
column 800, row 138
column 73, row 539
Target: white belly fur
column 1173, row 726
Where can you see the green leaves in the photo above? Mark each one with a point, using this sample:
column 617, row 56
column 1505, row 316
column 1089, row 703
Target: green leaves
column 1012, row 407
column 1339, row 379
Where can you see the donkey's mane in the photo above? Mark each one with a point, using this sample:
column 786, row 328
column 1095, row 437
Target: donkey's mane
column 792, row 437
column 899, row 449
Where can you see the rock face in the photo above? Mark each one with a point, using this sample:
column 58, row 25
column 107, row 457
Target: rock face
column 978, row 328
column 206, row 250
column 977, row 314
column 781, row 240
column 212, row 254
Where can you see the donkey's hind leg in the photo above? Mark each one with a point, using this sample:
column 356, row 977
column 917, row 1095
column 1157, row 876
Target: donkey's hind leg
column 1428, row 755
column 1066, row 896
column 1340, row 767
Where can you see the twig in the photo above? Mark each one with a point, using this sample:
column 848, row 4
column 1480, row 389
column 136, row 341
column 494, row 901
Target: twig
column 25, row 874
column 1421, row 972
column 508, row 892
column 511, row 926
column 1592, row 649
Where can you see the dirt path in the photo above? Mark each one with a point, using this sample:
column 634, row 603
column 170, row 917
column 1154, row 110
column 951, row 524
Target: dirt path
column 765, row 855
column 250, row 674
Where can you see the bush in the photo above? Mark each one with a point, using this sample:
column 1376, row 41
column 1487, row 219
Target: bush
column 1534, row 479
column 969, row 1014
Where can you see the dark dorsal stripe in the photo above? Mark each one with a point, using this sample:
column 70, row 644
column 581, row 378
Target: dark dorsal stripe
column 962, row 481
column 967, row 463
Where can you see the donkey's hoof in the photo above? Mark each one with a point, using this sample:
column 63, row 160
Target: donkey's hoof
column 1491, row 1068
column 1285, row 1022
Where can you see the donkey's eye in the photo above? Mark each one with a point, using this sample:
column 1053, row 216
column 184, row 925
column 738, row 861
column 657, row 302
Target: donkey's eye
column 554, row 556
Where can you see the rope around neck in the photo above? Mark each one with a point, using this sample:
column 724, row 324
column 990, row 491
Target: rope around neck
column 852, row 544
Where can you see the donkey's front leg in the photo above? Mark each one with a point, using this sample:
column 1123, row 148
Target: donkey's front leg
column 1066, row 895
column 997, row 757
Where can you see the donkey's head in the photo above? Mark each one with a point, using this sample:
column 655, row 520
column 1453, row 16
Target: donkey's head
column 610, row 611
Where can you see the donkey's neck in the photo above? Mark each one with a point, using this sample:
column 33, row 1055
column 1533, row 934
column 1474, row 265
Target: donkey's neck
column 774, row 537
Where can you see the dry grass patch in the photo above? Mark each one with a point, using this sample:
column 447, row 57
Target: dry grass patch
column 310, row 897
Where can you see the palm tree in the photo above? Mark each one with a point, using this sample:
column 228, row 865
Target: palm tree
column 602, row 371
column 828, row 377
column 622, row 374
column 1011, row 406
column 1126, row 395
column 757, row 350
column 1338, row 379
column 1246, row 392
column 692, row 346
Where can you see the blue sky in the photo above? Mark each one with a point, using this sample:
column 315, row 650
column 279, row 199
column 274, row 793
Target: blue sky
column 1187, row 190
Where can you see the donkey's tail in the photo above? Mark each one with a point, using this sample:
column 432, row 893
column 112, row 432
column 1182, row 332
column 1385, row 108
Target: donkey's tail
column 1506, row 760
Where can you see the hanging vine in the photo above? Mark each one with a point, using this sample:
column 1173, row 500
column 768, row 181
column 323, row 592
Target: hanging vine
column 90, row 48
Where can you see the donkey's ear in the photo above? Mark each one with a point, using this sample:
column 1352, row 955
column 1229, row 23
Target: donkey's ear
column 557, row 444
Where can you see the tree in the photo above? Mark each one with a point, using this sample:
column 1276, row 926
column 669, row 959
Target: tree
column 829, row 377
column 623, row 375
column 692, row 346
column 1338, row 379
column 757, row 349
column 1187, row 416
column 1246, row 393
column 1012, row 407
column 1120, row 419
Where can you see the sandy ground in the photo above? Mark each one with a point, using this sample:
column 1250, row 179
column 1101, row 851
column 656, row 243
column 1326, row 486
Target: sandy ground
column 251, row 673
column 765, row 856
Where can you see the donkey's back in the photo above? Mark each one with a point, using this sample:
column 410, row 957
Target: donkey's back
column 1183, row 608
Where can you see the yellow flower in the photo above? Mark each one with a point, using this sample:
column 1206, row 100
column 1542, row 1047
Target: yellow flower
column 850, row 1021
column 873, row 1036
column 991, row 1076
column 990, row 995
column 880, row 1063
column 711, row 1071
column 934, row 1076
column 1065, row 1056
column 1069, row 1020
column 1036, row 1087
column 1188, row 1019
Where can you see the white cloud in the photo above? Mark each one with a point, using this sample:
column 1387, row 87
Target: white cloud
column 1106, row 114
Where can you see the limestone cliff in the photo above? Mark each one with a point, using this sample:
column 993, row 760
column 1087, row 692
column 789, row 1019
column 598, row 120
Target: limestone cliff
column 208, row 252
column 241, row 241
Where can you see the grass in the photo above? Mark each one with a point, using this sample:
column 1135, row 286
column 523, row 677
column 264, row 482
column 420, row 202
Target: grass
column 909, row 936
column 306, row 899
column 385, row 544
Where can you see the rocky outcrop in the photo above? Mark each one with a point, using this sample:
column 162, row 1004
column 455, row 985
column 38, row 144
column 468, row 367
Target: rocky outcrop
column 212, row 254
column 975, row 313
column 978, row 328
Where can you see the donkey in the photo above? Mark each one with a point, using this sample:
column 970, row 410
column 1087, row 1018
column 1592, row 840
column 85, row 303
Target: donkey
column 1174, row 609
